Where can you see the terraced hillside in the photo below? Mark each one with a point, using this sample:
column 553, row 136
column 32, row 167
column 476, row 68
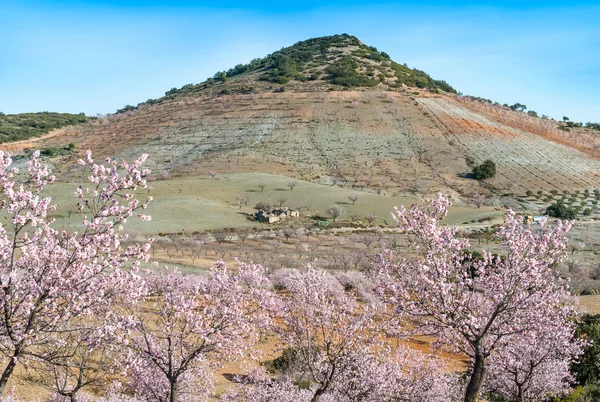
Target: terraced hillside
column 387, row 141
column 301, row 112
column 528, row 161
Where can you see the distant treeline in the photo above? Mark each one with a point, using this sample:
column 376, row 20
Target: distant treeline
column 15, row 127
column 567, row 123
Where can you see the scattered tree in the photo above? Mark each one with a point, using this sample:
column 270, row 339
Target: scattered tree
column 518, row 106
column 185, row 329
column 241, row 200
column 335, row 211
column 289, row 232
column 220, row 235
column 371, row 218
column 264, row 206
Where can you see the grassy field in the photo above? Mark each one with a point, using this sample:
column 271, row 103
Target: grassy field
column 200, row 203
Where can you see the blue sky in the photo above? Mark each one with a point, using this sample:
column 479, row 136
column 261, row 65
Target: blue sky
column 96, row 56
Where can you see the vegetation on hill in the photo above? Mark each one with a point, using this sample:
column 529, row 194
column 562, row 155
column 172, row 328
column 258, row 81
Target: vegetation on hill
column 15, row 127
column 338, row 59
column 343, row 72
column 485, row 171
column 561, row 211
column 566, row 124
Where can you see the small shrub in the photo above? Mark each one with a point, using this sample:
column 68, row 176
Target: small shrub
column 484, row 171
column 303, row 383
column 291, row 359
column 587, row 292
column 561, row 211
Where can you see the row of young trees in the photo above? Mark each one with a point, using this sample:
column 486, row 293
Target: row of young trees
column 76, row 308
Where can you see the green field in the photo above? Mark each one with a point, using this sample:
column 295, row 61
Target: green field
column 201, row 203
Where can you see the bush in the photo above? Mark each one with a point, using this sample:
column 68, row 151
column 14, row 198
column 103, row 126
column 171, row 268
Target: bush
column 587, row 292
column 343, row 72
column 125, row 109
column 265, row 206
column 484, row 171
column 587, row 368
column 561, row 211
column 291, row 359
column 582, row 394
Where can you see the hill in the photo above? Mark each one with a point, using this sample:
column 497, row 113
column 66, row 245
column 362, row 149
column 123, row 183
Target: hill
column 15, row 127
column 404, row 135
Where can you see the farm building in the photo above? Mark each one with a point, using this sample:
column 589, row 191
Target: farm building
column 276, row 215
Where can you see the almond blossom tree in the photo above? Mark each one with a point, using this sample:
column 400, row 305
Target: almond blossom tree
column 337, row 353
column 257, row 385
column 535, row 365
column 186, row 327
column 83, row 359
column 320, row 322
column 114, row 393
column 400, row 375
column 54, row 280
column 475, row 306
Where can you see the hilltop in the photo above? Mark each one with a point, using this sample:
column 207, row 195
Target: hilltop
column 327, row 63
column 319, row 64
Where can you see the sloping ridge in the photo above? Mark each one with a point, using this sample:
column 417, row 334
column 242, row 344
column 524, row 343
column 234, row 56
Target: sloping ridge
column 392, row 137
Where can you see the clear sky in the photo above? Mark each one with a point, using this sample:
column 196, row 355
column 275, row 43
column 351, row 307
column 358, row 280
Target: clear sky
column 97, row 56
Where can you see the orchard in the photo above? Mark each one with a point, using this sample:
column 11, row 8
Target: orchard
column 91, row 316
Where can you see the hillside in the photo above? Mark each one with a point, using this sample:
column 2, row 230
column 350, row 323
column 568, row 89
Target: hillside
column 364, row 123
column 15, row 127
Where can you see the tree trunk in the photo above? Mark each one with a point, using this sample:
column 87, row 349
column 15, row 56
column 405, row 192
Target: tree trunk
column 477, row 379
column 7, row 373
column 521, row 395
column 174, row 395
column 324, row 386
column 318, row 394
